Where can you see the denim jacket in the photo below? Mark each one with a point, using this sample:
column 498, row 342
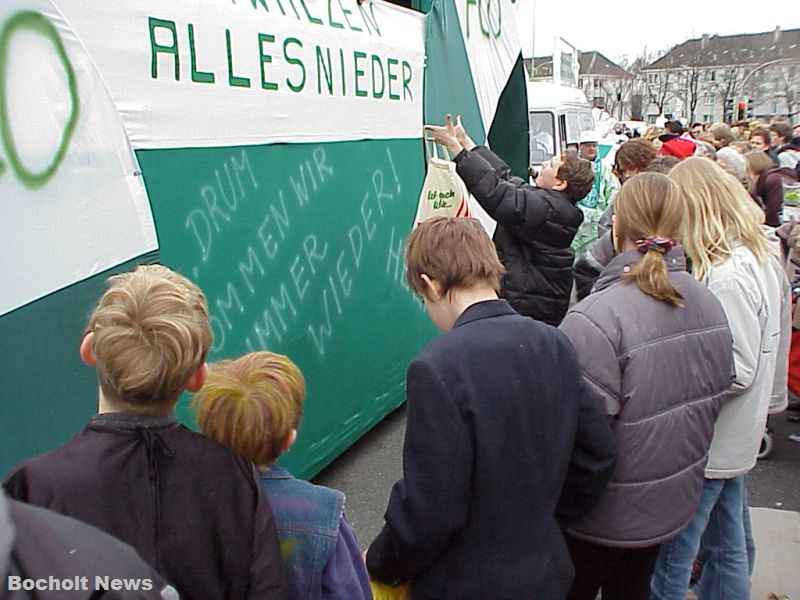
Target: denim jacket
column 308, row 519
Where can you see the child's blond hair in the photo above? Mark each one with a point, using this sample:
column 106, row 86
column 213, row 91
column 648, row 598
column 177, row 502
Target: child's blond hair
column 151, row 334
column 251, row 404
column 719, row 215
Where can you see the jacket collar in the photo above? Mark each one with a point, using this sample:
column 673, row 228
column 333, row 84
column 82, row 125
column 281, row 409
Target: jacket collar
column 131, row 422
column 621, row 264
column 484, row 310
column 275, row 472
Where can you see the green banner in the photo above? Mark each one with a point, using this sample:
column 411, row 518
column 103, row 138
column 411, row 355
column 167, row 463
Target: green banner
column 299, row 249
column 47, row 392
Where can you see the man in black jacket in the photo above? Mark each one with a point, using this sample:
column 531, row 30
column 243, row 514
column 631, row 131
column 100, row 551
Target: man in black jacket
column 503, row 443
column 535, row 225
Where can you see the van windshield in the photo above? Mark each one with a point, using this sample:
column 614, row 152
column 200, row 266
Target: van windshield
column 578, row 121
column 542, row 136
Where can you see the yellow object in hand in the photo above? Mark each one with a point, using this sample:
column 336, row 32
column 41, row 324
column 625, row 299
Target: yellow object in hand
column 382, row 591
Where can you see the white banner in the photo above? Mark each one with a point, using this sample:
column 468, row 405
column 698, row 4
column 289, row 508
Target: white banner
column 185, row 73
column 490, row 35
column 71, row 202
column 566, row 63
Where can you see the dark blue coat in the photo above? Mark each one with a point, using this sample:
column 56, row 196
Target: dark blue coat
column 497, row 419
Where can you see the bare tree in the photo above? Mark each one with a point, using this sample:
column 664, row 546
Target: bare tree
column 636, row 65
column 637, row 107
column 777, row 81
column 788, row 86
column 624, row 90
column 613, row 96
column 635, row 86
column 688, row 85
column 660, row 88
column 728, row 85
column 658, row 84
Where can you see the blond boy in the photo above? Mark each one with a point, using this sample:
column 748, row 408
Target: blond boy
column 191, row 507
column 253, row 405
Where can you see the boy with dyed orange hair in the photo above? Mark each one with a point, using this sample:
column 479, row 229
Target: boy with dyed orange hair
column 254, row 404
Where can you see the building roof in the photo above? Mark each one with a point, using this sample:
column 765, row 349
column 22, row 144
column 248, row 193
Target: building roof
column 595, row 63
column 591, row 63
column 732, row 50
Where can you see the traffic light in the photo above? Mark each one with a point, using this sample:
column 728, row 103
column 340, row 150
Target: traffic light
column 728, row 117
column 740, row 111
column 750, row 112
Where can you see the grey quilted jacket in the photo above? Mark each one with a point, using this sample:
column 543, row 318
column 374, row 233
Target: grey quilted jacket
column 662, row 374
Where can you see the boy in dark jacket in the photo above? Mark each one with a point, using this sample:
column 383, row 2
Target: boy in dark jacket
column 502, row 438
column 190, row 507
column 535, row 225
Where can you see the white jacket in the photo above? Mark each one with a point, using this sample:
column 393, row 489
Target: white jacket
column 788, row 158
column 757, row 302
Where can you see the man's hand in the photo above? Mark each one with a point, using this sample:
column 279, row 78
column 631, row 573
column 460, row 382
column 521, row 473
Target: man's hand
column 446, row 136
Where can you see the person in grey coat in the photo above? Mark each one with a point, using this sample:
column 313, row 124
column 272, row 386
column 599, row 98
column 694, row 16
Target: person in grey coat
column 655, row 347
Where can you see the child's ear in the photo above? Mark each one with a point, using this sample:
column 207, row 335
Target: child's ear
column 87, row 349
column 433, row 288
column 197, row 379
column 290, row 440
column 560, row 186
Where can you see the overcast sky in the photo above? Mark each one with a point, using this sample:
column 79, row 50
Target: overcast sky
column 625, row 27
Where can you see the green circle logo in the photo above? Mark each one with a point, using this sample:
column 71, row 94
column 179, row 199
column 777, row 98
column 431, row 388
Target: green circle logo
column 34, row 22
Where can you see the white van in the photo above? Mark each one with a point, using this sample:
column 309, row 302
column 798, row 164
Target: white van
column 556, row 115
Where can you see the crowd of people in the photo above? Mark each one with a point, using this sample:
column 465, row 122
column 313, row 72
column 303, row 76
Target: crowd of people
column 584, row 423
column 682, row 331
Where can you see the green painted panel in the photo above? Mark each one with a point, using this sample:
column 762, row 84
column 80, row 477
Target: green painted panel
column 299, row 249
column 47, row 392
column 508, row 135
column 448, row 80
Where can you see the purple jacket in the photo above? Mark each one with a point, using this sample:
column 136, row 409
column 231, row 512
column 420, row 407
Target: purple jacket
column 662, row 374
column 769, row 188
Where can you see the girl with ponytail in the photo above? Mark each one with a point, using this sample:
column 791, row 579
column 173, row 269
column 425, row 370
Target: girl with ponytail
column 650, row 220
column 655, row 348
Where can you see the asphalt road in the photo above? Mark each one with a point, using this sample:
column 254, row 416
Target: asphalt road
column 366, row 472
column 775, row 482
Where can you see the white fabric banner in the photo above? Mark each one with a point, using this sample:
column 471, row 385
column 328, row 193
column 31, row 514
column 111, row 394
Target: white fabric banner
column 490, row 35
column 71, row 202
column 190, row 74
column 566, row 64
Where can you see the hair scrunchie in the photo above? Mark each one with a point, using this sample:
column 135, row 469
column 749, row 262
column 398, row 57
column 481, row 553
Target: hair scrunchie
column 658, row 243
